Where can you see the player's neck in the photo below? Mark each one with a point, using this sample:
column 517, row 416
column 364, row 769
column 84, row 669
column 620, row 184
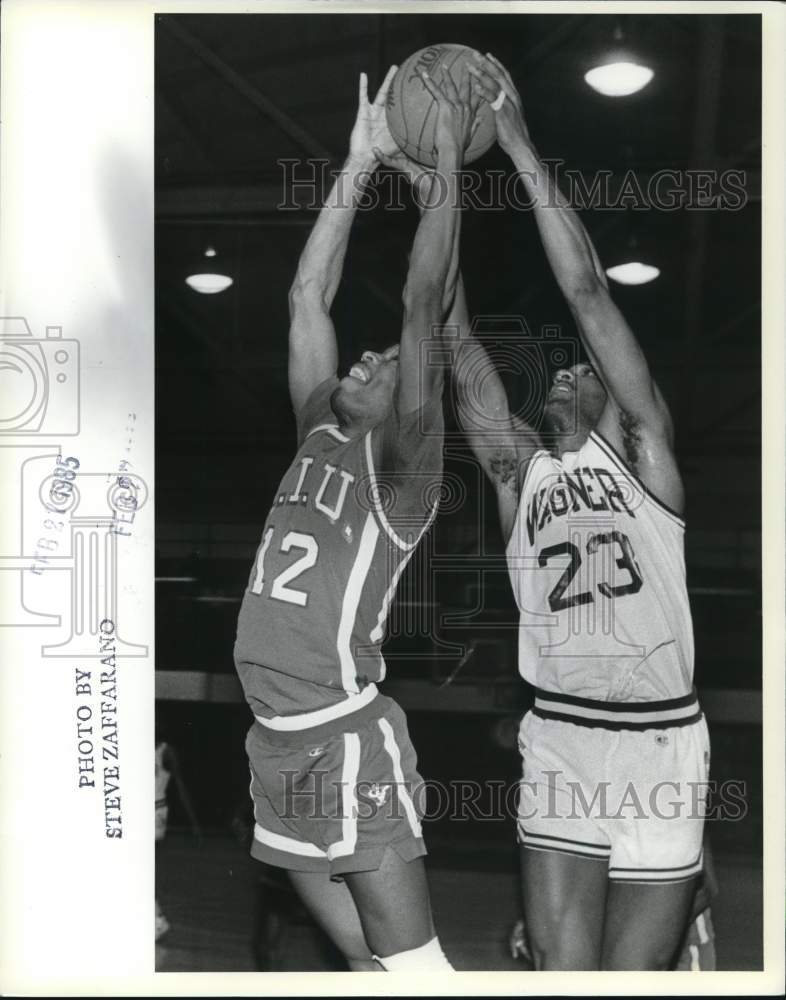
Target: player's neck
column 354, row 427
column 565, row 443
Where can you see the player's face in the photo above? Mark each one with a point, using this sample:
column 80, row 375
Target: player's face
column 366, row 391
column 576, row 395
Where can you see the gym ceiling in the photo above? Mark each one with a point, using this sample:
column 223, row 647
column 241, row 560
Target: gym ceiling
column 235, row 94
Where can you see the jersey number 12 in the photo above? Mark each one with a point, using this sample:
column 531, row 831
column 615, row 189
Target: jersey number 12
column 280, row 589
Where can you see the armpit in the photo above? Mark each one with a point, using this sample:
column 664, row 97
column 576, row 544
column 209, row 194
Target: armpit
column 503, row 467
column 631, row 438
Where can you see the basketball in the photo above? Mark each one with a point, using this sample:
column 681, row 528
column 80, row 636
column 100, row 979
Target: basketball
column 412, row 111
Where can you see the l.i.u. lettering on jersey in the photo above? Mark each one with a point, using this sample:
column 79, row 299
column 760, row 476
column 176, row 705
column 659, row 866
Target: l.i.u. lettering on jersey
column 328, row 499
column 301, row 496
column 313, row 617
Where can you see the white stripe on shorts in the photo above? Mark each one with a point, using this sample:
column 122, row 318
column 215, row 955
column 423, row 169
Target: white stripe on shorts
column 277, row 840
column 677, row 874
column 395, row 755
column 616, row 715
column 287, row 844
column 349, row 802
column 545, row 842
column 294, row 723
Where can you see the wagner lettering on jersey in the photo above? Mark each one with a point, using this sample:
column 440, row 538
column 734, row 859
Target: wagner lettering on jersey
column 584, row 489
column 598, row 572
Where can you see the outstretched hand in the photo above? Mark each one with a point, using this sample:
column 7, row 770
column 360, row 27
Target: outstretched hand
column 496, row 85
column 457, row 112
column 371, row 127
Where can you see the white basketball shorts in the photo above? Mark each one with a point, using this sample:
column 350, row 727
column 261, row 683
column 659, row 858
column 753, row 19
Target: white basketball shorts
column 620, row 783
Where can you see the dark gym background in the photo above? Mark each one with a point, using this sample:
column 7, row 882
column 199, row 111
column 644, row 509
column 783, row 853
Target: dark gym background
column 237, row 93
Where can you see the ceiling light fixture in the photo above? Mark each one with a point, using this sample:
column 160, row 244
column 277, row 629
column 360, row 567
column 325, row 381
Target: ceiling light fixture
column 208, row 283
column 619, row 71
column 618, row 79
column 633, row 273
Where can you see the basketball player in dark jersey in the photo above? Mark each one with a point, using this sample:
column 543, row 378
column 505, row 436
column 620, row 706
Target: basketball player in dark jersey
column 333, row 772
column 591, row 513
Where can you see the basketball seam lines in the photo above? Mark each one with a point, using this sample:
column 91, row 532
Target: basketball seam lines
column 418, row 145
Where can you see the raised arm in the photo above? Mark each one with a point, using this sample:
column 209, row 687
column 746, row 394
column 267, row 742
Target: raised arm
column 313, row 351
column 636, row 416
column 433, row 263
column 502, row 444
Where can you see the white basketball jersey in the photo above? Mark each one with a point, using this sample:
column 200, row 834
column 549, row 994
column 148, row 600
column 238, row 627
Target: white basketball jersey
column 598, row 570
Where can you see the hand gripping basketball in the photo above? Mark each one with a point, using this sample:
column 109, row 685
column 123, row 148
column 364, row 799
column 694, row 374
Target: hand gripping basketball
column 495, row 84
column 412, row 109
column 457, row 117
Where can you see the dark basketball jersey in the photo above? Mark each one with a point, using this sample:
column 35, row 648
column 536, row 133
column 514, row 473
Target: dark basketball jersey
column 338, row 537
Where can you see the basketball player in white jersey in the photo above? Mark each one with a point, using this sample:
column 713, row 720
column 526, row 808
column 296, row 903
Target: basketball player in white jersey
column 333, row 772
column 615, row 751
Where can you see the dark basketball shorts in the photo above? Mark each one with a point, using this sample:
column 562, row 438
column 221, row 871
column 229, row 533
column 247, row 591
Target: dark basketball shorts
column 620, row 783
column 334, row 797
